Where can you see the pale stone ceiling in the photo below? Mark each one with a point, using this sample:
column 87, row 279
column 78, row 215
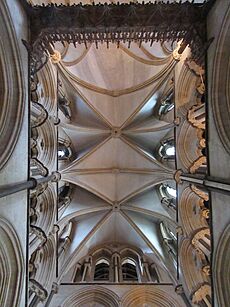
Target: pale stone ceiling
column 115, row 134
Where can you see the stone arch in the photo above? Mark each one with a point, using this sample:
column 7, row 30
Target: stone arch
column 220, row 83
column 46, row 268
column 46, row 88
column 222, row 269
column 87, row 296
column 11, row 266
column 13, row 89
column 193, row 276
column 154, row 298
column 46, row 208
column 190, row 205
column 188, row 146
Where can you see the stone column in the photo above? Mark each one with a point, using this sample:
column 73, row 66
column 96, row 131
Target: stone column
column 54, row 290
column 39, row 293
column 87, row 270
column 146, row 273
column 180, row 291
column 116, row 264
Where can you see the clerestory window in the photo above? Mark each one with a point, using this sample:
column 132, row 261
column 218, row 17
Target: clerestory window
column 101, row 270
column 129, row 271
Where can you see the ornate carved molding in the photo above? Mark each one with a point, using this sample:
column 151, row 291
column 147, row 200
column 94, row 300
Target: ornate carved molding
column 121, row 22
column 13, row 86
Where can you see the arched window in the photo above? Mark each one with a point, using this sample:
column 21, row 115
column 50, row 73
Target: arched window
column 168, row 191
column 167, row 104
column 129, row 271
column 101, row 270
column 64, row 152
column 167, row 150
column 171, row 191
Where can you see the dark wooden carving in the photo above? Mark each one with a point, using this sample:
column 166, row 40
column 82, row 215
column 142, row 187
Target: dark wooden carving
column 109, row 23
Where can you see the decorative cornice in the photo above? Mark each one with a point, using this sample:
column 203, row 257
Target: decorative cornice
column 119, row 22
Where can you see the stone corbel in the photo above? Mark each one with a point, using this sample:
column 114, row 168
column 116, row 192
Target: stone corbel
column 39, row 291
column 179, row 231
column 199, row 192
column 201, row 295
column 205, row 213
column 200, row 162
column 56, row 176
column 177, row 175
column 179, row 289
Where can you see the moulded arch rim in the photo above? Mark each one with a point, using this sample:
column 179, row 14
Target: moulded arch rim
column 97, row 293
column 158, row 297
column 13, row 244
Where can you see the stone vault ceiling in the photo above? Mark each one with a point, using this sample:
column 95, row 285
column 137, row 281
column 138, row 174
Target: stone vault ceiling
column 115, row 132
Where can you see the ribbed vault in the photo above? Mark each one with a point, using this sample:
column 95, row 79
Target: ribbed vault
column 115, row 133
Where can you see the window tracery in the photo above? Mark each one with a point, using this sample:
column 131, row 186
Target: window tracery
column 125, row 265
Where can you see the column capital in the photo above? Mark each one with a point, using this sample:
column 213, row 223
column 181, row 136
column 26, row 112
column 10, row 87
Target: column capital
column 56, row 176
column 177, row 175
column 179, row 289
column 55, row 287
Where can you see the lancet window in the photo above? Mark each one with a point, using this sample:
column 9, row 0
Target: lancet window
column 124, row 266
column 101, row 270
column 129, row 272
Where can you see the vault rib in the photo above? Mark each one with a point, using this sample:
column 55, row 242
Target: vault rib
column 62, row 222
column 141, row 190
column 70, row 261
column 77, row 161
column 140, row 151
column 146, row 240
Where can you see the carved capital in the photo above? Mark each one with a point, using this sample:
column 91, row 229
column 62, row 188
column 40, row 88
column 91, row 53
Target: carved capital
column 39, row 291
column 179, row 289
column 56, row 177
column 177, row 175
column 55, row 287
